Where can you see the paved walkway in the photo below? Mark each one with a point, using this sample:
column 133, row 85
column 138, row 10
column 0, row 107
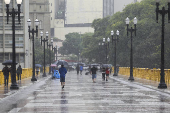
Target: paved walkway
column 81, row 95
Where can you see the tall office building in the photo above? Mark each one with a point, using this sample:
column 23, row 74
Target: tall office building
column 21, row 33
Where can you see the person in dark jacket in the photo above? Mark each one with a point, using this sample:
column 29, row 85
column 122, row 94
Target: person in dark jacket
column 6, row 71
column 78, row 69
column 93, row 72
column 62, row 72
column 103, row 73
column 19, row 72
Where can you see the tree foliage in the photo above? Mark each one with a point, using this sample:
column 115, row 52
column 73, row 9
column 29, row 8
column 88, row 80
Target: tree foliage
column 146, row 44
column 39, row 54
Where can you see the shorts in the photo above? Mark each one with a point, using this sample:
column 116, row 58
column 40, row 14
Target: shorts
column 62, row 79
column 107, row 74
column 93, row 76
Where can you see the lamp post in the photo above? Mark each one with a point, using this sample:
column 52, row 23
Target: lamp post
column 131, row 30
column 51, row 44
column 45, row 40
column 78, row 57
column 55, row 52
column 13, row 13
column 163, row 12
column 33, row 32
column 117, row 34
column 99, row 51
column 107, row 45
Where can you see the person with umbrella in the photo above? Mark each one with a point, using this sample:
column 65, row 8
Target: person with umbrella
column 62, row 72
column 6, row 71
column 93, row 72
column 103, row 72
column 107, row 73
column 19, row 72
column 78, row 68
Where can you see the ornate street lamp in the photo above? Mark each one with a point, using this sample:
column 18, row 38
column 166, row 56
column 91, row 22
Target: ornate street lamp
column 45, row 40
column 131, row 30
column 107, row 45
column 33, row 32
column 51, row 44
column 117, row 35
column 163, row 12
column 13, row 13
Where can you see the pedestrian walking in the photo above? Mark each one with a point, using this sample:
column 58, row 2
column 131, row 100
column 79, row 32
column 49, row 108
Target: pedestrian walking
column 37, row 71
column 117, row 69
column 10, row 69
column 52, row 72
column 81, row 69
column 62, row 72
column 77, row 68
column 103, row 73
column 107, row 73
column 93, row 72
column 6, row 71
column 19, row 72
column 110, row 70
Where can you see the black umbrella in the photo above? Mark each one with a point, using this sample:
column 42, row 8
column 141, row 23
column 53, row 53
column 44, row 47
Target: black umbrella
column 61, row 62
column 80, row 63
column 94, row 64
column 37, row 65
column 8, row 62
column 105, row 65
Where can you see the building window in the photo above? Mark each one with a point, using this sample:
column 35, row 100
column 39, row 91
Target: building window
column 6, row 56
column 40, row 24
column 1, row 57
column 19, row 41
column 1, row 40
column 40, row 7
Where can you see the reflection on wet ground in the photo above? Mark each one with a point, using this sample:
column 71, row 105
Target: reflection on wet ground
column 81, row 95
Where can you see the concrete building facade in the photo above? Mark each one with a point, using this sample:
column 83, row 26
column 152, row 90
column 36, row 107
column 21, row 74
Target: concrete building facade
column 39, row 9
column 21, row 32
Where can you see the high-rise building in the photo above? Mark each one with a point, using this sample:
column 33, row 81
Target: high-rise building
column 21, row 33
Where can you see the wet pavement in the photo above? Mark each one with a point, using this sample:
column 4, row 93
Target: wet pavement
column 81, row 95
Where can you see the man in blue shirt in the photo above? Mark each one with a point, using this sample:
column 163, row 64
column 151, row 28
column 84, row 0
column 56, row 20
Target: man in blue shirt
column 62, row 72
column 81, row 69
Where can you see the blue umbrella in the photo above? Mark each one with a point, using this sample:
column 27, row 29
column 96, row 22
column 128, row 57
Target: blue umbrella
column 37, row 65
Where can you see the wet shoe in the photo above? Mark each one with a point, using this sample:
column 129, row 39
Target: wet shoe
column 63, row 87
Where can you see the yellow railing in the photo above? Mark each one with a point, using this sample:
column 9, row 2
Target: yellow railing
column 145, row 73
column 26, row 72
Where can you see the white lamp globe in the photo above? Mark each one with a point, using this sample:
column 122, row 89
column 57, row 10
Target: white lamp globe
column 29, row 22
column 7, row 1
column 19, row 1
column 127, row 20
column 41, row 33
